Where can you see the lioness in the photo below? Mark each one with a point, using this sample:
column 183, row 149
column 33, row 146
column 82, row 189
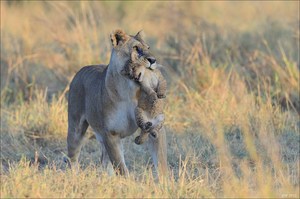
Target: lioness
column 149, row 112
column 100, row 96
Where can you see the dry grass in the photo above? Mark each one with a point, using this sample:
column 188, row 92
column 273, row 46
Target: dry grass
column 233, row 100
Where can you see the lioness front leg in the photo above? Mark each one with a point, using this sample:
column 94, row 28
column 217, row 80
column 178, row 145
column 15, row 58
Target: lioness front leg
column 104, row 158
column 113, row 145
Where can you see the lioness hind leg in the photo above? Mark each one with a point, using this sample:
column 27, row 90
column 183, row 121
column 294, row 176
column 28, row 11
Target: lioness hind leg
column 75, row 139
column 158, row 149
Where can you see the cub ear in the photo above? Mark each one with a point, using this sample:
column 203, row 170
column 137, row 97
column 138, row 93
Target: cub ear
column 140, row 36
column 118, row 38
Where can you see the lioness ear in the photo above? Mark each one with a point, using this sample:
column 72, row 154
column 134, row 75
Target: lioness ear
column 139, row 36
column 118, row 37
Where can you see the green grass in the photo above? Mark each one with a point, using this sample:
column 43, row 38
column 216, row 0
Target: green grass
column 232, row 111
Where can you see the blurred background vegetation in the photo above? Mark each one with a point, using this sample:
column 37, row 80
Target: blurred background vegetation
column 232, row 107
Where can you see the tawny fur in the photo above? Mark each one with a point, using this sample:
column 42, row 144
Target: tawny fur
column 104, row 99
column 149, row 112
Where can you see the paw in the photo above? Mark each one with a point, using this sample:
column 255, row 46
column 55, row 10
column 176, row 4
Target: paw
column 138, row 140
column 148, row 125
column 153, row 98
column 161, row 96
column 67, row 161
column 153, row 134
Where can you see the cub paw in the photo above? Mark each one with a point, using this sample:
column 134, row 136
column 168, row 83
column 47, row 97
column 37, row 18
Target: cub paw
column 138, row 140
column 148, row 125
column 152, row 98
column 153, row 134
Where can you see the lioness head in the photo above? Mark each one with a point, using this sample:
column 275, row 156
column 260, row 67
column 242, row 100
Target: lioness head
column 131, row 48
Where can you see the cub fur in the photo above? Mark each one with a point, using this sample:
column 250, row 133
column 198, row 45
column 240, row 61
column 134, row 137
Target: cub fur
column 149, row 112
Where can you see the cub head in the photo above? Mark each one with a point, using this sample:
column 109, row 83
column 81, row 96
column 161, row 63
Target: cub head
column 127, row 48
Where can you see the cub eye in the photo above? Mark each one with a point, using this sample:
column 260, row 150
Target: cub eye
column 139, row 51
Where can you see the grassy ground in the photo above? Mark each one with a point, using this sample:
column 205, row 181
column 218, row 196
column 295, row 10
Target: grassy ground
column 232, row 113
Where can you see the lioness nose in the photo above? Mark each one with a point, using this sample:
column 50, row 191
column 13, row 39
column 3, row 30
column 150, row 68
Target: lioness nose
column 152, row 60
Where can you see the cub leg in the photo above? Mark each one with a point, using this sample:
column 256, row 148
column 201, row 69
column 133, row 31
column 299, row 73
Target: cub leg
column 141, row 119
column 141, row 138
column 142, row 122
column 162, row 86
column 151, row 94
column 157, row 123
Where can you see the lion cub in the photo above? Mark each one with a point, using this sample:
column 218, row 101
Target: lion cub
column 149, row 112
